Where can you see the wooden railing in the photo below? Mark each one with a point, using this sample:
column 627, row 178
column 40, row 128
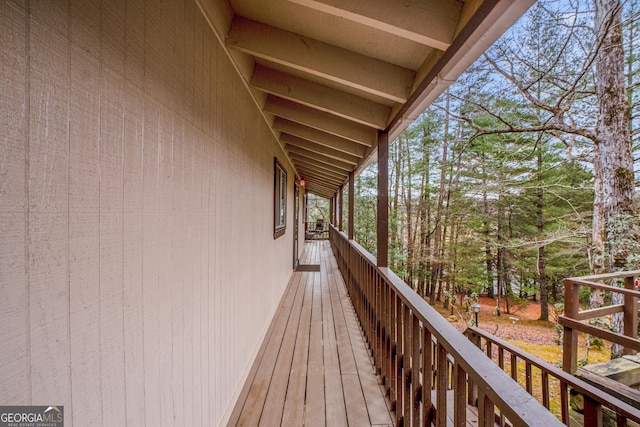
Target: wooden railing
column 423, row 359
column 548, row 383
column 573, row 318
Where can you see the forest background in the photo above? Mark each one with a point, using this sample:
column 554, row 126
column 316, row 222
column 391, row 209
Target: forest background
column 503, row 186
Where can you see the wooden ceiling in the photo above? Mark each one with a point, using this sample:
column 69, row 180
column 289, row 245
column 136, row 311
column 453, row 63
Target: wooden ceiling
column 330, row 75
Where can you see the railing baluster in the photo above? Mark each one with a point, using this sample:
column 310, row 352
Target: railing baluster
column 442, row 381
column 592, row 413
column 416, row 388
column 427, row 376
column 460, row 395
column 514, row 366
column 545, row 389
column 407, row 363
column 394, row 354
column 413, row 348
column 529, row 378
column 486, row 414
column 564, row 402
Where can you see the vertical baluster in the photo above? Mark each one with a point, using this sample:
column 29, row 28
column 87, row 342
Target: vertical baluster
column 545, row 389
column 399, row 360
column 442, row 382
column 384, row 342
column 529, row 379
column 460, row 396
column 485, row 411
column 564, row 402
column 394, row 351
column 514, row 367
column 501, row 357
column 407, row 363
column 427, row 376
column 415, row 369
column 592, row 413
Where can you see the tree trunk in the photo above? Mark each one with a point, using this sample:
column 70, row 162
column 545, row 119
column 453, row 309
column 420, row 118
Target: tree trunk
column 614, row 154
column 542, row 273
column 437, row 238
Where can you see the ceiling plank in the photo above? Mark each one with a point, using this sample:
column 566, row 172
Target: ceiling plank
column 321, row 59
column 322, row 193
column 321, row 120
column 429, row 22
column 319, row 166
column 321, row 97
column 308, row 174
column 321, row 183
column 347, row 166
column 320, row 149
column 319, row 137
column 311, row 157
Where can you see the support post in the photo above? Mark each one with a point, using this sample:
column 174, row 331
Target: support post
column 331, row 211
column 630, row 318
column 351, row 205
column 340, row 209
column 382, row 254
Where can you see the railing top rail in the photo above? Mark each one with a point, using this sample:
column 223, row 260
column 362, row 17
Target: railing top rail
column 583, row 282
column 581, row 386
column 516, row 404
column 607, row 276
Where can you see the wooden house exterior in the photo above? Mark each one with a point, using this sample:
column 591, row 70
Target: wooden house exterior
column 143, row 251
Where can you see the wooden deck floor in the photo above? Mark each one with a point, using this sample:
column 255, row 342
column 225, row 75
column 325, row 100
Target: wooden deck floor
column 313, row 368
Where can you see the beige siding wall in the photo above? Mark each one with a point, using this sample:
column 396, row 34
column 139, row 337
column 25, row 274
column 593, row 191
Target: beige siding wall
column 138, row 270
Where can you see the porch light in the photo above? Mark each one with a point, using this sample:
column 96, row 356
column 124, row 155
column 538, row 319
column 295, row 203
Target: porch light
column 301, row 182
column 476, row 309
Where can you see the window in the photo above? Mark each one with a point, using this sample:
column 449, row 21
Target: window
column 280, row 200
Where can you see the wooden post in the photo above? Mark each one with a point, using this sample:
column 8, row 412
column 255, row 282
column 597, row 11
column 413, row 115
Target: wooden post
column 331, row 211
column 340, row 209
column 351, row 205
column 570, row 337
column 630, row 313
column 382, row 249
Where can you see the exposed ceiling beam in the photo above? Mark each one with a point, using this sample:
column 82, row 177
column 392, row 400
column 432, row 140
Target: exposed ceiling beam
column 319, row 149
column 319, row 137
column 321, row 59
column 429, row 22
column 316, row 119
column 321, row 97
column 319, row 157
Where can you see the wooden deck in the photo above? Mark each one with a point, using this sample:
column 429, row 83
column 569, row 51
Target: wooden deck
column 314, row 367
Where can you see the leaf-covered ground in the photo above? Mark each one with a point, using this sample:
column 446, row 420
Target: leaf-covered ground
column 522, row 328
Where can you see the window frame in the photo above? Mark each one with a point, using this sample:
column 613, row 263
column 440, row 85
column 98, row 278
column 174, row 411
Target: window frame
column 279, row 199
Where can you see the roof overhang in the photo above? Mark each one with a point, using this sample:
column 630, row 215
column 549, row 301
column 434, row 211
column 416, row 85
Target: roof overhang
column 329, row 75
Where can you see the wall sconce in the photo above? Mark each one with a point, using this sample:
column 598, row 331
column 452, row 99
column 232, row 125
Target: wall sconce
column 301, row 182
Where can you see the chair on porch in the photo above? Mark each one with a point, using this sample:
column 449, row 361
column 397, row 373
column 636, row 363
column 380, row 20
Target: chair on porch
column 319, row 228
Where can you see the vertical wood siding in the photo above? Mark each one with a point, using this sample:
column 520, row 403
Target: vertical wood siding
column 138, row 271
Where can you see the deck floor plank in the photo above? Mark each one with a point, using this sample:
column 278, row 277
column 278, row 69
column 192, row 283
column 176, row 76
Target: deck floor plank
column 306, row 372
column 315, row 402
column 294, row 402
column 259, row 380
column 274, row 402
column 336, row 412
